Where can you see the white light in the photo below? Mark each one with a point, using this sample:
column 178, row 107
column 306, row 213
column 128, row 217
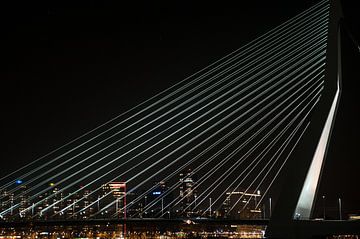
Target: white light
column 307, row 195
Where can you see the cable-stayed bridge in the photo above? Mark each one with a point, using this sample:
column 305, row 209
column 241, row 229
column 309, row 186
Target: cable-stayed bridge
column 209, row 146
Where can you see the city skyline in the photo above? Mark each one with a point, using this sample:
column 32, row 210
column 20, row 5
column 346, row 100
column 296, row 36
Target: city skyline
column 55, row 204
column 50, row 106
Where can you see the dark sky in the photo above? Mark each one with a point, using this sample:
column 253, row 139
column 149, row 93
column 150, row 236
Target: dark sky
column 70, row 67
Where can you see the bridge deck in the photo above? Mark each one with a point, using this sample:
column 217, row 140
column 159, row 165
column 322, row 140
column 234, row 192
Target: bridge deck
column 133, row 221
column 299, row 228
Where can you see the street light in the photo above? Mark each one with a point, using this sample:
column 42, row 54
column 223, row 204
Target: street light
column 270, row 208
column 324, row 211
column 340, row 214
column 162, row 206
column 264, row 210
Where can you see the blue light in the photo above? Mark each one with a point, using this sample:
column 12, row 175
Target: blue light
column 18, row 181
column 156, row 193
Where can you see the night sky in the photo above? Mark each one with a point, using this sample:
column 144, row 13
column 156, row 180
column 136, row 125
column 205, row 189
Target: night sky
column 68, row 68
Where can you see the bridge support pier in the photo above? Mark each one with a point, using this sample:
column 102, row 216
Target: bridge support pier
column 301, row 176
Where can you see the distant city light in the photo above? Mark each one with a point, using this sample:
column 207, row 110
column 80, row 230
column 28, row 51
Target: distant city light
column 18, row 181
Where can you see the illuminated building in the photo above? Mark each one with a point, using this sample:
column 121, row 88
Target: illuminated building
column 158, row 195
column 69, row 211
column 118, row 190
column 7, row 202
column 87, row 203
column 105, row 198
column 72, row 206
column 187, row 193
column 56, row 200
column 136, row 208
column 24, row 203
column 242, row 205
column 37, row 210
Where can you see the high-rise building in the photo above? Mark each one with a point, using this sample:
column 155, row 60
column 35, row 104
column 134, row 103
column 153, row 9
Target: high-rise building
column 55, row 201
column 158, row 198
column 187, row 193
column 118, row 193
column 104, row 199
column 48, row 204
column 242, row 205
column 72, row 206
column 7, row 202
column 134, row 209
column 88, row 205
column 38, row 209
column 23, row 201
